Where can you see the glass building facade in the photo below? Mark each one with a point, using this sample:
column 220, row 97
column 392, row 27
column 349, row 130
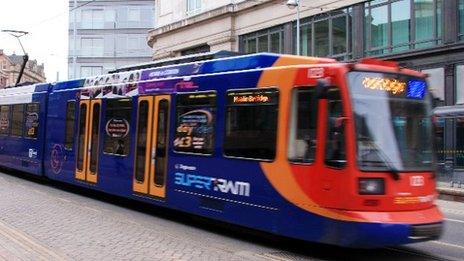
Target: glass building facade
column 327, row 35
column 425, row 35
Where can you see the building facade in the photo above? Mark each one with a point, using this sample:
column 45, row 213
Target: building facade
column 426, row 35
column 104, row 35
column 10, row 66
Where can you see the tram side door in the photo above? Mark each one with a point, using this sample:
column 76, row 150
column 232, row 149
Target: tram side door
column 88, row 140
column 151, row 159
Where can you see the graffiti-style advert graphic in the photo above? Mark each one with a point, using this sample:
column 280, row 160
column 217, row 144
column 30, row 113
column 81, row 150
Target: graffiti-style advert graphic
column 111, row 86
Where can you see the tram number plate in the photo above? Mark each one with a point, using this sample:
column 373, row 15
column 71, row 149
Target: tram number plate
column 416, row 181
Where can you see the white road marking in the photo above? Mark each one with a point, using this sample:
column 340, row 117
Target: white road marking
column 452, row 211
column 447, row 244
column 454, row 220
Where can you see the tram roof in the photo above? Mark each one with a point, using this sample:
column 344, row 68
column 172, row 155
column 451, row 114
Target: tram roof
column 193, row 65
column 24, row 89
column 178, row 60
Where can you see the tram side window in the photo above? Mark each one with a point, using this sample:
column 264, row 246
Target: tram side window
column 195, row 120
column 303, row 126
column 70, row 122
column 32, row 120
column 117, row 125
column 18, row 120
column 5, row 119
column 251, row 124
column 335, row 153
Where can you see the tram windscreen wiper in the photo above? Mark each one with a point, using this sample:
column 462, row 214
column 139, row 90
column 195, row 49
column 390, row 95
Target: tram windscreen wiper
column 385, row 161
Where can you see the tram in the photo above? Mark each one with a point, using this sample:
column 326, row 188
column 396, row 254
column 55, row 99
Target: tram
column 307, row 148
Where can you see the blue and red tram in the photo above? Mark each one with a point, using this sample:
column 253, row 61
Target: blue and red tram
column 303, row 147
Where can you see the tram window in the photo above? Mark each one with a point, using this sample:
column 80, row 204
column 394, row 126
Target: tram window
column 82, row 133
column 18, row 120
column 32, row 120
column 117, row 126
column 251, row 124
column 303, row 126
column 141, row 144
column 335, row 154
column 69, row 128
column 161, row 141
column 5, row 119
column 195, row 120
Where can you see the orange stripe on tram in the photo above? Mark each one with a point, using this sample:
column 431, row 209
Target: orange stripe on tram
column 279, row 172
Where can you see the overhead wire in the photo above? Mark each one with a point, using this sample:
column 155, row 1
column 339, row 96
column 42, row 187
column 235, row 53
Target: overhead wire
column 62, row 13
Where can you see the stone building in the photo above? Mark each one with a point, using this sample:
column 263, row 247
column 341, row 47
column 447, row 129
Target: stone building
column 10, row 66
column 426, row 35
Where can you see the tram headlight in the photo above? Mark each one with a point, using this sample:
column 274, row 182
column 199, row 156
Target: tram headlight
column 371, row 186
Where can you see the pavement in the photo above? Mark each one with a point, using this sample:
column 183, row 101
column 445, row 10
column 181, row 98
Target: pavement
column 450, row 192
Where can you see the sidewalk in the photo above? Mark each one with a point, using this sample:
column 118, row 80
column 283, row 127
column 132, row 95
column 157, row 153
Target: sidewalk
column 448, row 192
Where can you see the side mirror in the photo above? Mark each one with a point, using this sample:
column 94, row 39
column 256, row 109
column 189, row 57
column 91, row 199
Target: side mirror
column 322, row 88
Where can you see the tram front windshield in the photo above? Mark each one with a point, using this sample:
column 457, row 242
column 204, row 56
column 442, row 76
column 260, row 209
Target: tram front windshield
column 393, row 122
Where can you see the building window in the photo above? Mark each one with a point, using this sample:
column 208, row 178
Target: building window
column 326, row 35
column 118, row 118
column 393, row 26
column 195, row 120
column 461, row 19
column 133, row 14
column 198, row 49
column 193, row 7
column 268, row 40
column 92, row 46
column 87, row 71
column 428, row 22
column 251, row 124
column 459, row 84
column 92, row 19
column 436, row 83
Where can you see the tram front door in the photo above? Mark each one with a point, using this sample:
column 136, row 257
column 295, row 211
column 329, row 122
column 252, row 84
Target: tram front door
column 152, row 146
column 89, row 132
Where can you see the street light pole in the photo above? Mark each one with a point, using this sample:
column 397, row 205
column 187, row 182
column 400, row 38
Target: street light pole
column 292, row 4
column 19, row 34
